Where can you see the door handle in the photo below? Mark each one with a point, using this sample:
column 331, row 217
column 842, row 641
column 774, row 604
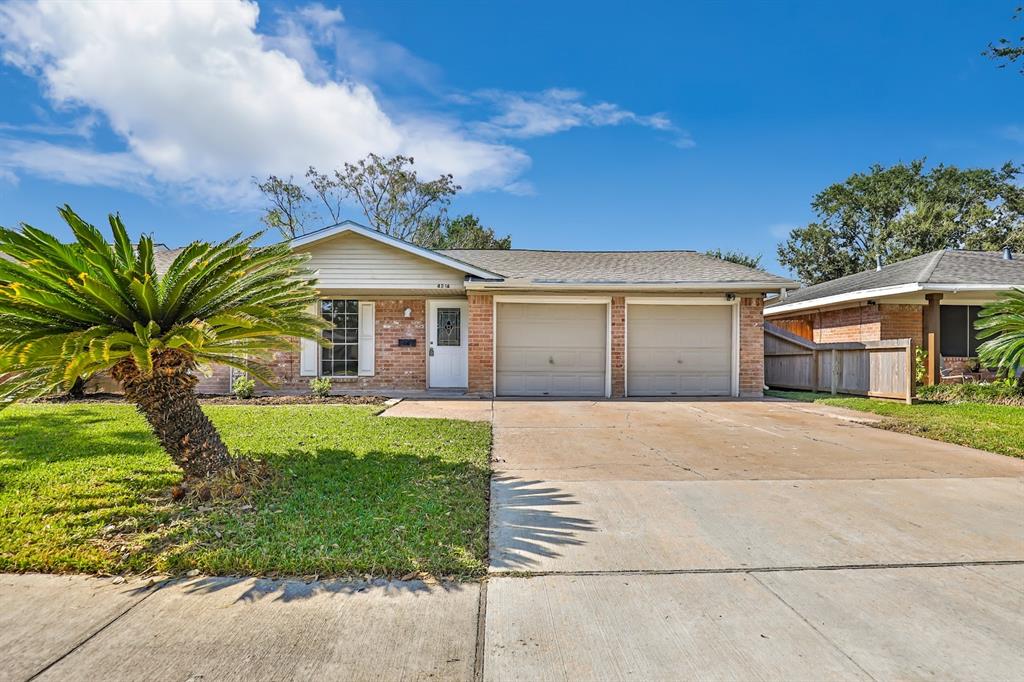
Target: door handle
column 431, row 353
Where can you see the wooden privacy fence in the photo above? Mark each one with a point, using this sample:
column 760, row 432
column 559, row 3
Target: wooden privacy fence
column 878, row 369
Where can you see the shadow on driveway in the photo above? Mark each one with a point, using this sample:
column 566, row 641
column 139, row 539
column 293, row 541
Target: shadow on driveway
column 527, row 522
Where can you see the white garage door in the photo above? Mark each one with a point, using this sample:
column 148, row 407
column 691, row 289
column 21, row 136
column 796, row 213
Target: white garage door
column 679, row 350
column 554, row 349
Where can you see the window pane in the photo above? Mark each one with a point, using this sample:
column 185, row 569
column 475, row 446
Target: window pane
column 449, row 327
column 953, row 330
column 340, row 358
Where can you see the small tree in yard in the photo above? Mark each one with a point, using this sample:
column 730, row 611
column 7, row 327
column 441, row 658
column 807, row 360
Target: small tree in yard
column 1001, row 325
column 72, row 310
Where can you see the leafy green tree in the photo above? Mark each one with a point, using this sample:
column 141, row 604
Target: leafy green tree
column 72, row 310
column 737, row 257
column 464, row 232
column 893, row 213
column 1007, row 49
column 288, row 212
column 1001, row 326
column 387, row 191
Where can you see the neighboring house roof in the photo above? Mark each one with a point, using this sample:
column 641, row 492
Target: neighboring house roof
column 947, row 270
column 683, row 269
column 162, row 259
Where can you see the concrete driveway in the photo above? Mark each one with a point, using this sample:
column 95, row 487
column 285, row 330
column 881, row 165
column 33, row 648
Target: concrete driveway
column 746, row 539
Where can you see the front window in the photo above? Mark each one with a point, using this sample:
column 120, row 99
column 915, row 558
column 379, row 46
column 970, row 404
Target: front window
column 958, row 337
column 341, row 357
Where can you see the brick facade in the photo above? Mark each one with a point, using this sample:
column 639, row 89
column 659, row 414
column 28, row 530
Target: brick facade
column 618, row 346
column 902, row 322
column 481, row 344
column 751, row 347
column 396, row 368
column 874, row 322
column 404, row 368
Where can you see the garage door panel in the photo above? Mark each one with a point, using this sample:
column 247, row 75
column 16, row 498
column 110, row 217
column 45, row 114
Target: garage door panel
column 679, row 350
column 551, row 349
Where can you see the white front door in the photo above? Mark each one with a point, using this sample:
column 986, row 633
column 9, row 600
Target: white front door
column 448, row 352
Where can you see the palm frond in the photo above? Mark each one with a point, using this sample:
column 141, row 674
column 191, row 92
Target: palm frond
column 72, row 310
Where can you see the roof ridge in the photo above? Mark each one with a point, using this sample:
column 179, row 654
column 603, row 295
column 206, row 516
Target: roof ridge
column 694, row 251
column 930, row 266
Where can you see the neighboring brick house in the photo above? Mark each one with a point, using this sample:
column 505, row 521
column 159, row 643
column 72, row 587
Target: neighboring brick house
column 933, row 299
column 408, row 320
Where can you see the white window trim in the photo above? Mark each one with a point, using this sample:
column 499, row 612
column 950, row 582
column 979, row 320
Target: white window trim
column 320, row 349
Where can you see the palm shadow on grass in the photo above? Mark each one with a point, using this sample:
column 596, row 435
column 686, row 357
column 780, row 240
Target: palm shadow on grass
column 334, row 513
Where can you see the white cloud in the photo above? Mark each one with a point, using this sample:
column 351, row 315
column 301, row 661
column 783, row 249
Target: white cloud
column 1014, row 133
column 534, row 114
column 203, row 103
column 73, row 165
column 781, row 230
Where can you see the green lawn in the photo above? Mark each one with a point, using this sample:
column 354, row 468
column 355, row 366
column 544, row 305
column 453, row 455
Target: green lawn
column 85, row 488
column 996, row 428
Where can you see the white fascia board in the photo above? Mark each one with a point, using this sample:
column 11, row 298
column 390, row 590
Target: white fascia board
column 369, row 233
column 881, row 292
column 953, row 287
column 716, row 287
column 850, row 297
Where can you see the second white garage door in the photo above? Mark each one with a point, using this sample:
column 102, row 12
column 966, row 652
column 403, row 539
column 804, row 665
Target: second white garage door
column 679, row 350
column 551, row 349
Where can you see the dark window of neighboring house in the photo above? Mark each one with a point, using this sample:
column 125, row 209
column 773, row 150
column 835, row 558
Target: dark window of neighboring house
column 341, row 357
column 956, row 327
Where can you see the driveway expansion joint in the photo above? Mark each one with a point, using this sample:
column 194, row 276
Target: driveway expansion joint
column 755, row 569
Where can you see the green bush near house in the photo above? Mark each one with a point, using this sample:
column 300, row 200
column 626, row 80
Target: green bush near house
column 85, row 488
column 320, row 387
column 1001, row 392
column 243, row 387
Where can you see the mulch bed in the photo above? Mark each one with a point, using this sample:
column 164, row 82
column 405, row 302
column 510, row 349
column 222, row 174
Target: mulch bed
column 231, row 400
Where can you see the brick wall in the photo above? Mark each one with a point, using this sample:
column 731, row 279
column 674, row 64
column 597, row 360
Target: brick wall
column 399, row 368
column 481, row 344
column 618, row 346
column 902, row 322
column 873, row 322
column 751, row 347
column 860, row 323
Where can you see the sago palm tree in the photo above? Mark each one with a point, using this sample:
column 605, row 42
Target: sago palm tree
column 72, row 310
column 1001, row 324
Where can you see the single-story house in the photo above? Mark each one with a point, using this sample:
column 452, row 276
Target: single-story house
column 407, row 320
column 933, row 299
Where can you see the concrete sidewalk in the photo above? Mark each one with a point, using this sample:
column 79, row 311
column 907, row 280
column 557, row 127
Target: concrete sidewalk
column 74, row 627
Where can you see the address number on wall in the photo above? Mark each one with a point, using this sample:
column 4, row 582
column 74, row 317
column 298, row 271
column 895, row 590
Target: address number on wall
column 444, row 286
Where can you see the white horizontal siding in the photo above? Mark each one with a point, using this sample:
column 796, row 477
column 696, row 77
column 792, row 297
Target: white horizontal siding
column 351, row 261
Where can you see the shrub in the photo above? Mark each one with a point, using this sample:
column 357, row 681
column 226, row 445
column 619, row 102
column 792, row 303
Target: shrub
column 321, row 387
column 999, row 392
column 243, row 387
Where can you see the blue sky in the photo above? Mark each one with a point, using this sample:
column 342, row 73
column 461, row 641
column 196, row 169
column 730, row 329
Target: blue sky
column 571, row 125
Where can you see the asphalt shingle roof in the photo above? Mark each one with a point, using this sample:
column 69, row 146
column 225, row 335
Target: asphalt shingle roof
column 609, row 267
column 590, row 267
column 937, row 267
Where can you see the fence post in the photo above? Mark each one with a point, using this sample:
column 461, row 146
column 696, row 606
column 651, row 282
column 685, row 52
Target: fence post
column 814, row 370
column 835, row 371
column 911, row 373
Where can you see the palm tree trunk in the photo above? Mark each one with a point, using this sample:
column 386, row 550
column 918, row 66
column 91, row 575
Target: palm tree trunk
column 167, row 400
